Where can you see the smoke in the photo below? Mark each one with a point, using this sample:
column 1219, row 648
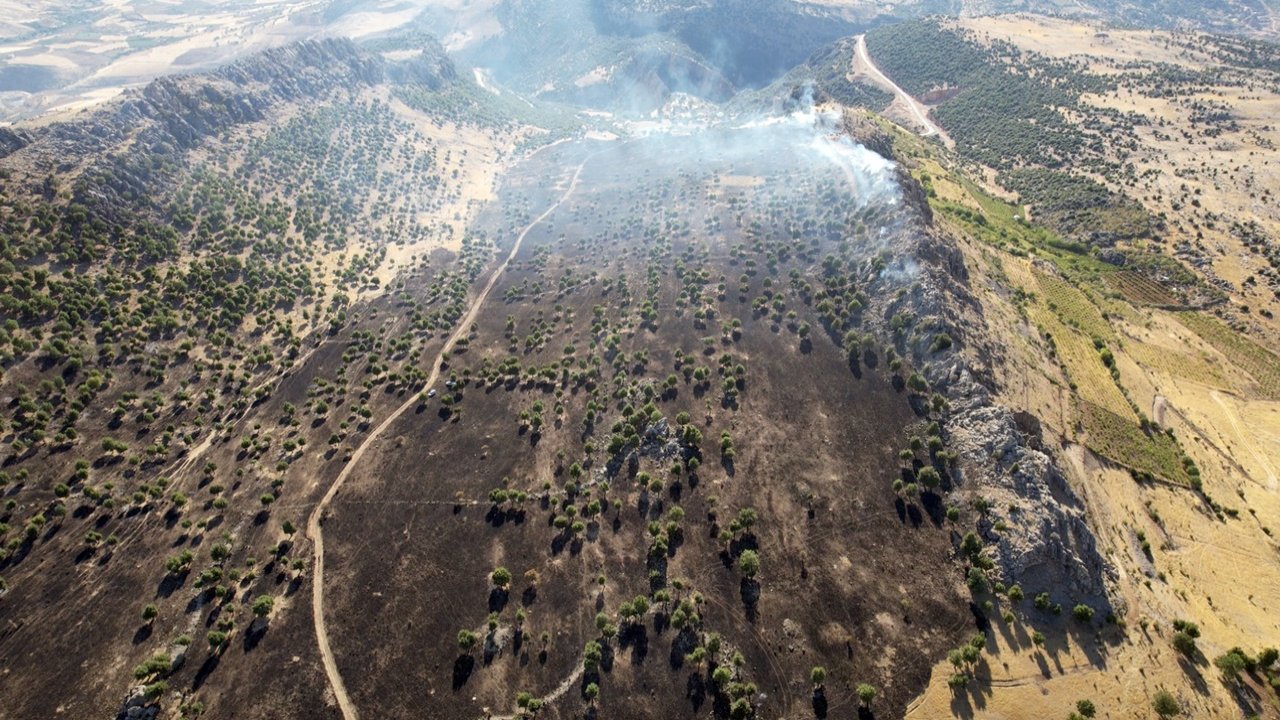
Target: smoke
column 802, row 140
column 661, row 100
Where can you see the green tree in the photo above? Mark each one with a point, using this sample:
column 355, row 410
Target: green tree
column 1267, row 657
column 928, row 477
column 1086, row 708
column 977, row 580
column 866, row 693
column 591, row 654
column 262, row 605
column 466, row 640
column 1184, row 643
column 749, row 563
column 150, row 612
column 217, row 639
column 1165, row 704
column 501, row 577
column 818, row 676
column 1231, row 664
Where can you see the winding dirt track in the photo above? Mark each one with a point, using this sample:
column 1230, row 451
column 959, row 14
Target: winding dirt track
column 314, row 521
column 1260, row 457
column 862, row 62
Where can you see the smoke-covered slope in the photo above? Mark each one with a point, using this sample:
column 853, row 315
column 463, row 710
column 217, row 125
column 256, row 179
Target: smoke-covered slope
column 457, row 402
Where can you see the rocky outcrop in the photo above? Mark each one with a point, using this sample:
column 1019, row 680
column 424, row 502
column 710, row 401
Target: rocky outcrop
column 137, row 706
column 12, row 140
column 864, row 131
column 178, row 111
column 124, row 148
column 1046, row 543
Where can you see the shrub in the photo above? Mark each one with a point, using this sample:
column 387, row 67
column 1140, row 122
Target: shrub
column 501, row 577
column 1267, row 657
column 1231, row 664
column 216, row 639
column 977, row 580
column 466, row 640
column 1184, row 643
column 1165, row 704
column 262, row 605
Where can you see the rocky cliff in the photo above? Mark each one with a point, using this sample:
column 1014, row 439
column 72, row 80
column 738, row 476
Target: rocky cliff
column 122, row 148
column 1045, row 542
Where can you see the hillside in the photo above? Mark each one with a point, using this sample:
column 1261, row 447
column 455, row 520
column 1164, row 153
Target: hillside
column 1137, row 325
column 594, row 364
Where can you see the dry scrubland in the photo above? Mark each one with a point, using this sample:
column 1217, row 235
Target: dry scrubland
column 1205, row 156
column 1209, row 557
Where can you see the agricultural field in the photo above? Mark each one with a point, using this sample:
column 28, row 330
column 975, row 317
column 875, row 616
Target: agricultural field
column 1261, row 365
column 1142, row 290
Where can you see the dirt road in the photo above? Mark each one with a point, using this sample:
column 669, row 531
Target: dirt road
column 314, row 529
column 1263, row 463
column 862, row 65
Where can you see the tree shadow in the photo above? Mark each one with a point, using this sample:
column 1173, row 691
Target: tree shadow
column 820, row 705
column 749, row 590
column 932, row 503
column 1247, row 699
column 681, row 645
column 695, row 690
column 914, row 515
column 498, row 599
column 462, row 669
column 635, row 636
column 1190, row 669
column 206, row 669
column 254, row 635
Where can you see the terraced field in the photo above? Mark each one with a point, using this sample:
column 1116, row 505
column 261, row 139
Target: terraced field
column 1074, row 307
column 1141, row 290
column 1260, row 364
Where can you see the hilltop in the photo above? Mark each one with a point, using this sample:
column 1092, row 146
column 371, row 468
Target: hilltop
column 923, row 370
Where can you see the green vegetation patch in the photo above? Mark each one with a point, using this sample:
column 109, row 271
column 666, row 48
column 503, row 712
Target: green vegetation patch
column 1015, row 111
column 1074, row 307
column 1140, row 448
column 1260, row 363
column 1078, row 206
column 829, row 70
